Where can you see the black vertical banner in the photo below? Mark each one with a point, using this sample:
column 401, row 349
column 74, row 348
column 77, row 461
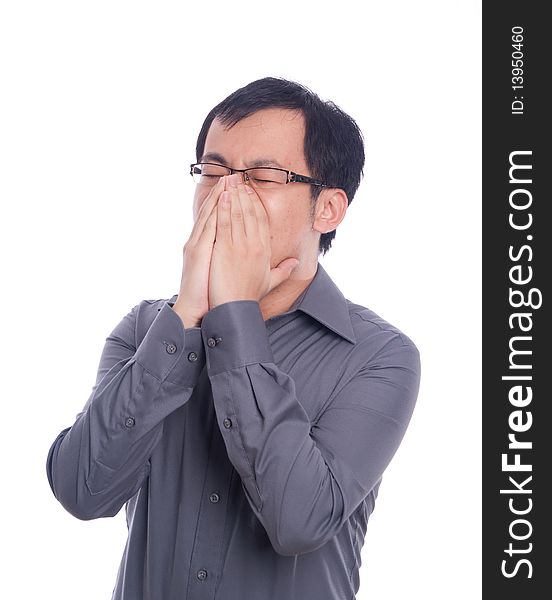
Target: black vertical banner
column 517, row 259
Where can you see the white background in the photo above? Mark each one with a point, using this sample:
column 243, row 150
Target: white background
column 101, row 105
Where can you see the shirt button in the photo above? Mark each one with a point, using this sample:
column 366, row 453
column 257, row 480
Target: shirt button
column 211, row 342
column 171, row 348
column 192, row 356
column 202, row 574
column 214, row 497
column 130, row 422
column 227, row 423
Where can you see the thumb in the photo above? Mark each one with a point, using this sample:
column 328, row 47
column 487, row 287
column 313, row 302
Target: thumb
column 282, row 271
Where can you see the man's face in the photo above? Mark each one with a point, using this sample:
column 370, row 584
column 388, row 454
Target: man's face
column 275, row 136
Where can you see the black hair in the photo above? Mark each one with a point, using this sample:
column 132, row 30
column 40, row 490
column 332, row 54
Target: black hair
column 333, row 145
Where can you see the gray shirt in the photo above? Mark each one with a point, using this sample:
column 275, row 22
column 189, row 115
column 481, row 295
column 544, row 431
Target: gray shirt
column 248, row 453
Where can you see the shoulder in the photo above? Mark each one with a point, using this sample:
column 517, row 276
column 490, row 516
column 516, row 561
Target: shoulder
column 377, row 337
column 386, row 359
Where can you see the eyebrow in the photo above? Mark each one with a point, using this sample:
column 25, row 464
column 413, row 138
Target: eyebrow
column 260, row 162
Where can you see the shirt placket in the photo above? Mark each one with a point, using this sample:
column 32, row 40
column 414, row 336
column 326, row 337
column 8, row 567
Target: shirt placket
column 208, row 544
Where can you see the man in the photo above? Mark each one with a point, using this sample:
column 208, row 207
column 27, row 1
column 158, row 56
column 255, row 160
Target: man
column 245, row 422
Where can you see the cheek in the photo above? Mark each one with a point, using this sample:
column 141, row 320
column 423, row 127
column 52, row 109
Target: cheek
column 279, row 219
column 286, row 222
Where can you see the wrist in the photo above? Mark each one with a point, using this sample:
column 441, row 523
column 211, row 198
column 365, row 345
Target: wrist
column 187, row 319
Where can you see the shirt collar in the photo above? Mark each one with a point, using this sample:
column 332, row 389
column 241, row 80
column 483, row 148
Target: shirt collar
column 323, row 301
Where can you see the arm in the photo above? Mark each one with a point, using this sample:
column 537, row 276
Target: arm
column 100, row 462
column 303, row 485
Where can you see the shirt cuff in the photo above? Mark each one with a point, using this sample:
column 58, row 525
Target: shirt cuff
column 170, row 352
column 234, row 335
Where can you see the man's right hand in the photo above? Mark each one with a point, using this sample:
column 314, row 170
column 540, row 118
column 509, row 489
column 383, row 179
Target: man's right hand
column 193, row 298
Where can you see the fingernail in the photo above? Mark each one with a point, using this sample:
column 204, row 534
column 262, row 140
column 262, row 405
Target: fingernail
column 233, row 180
column 249, row 189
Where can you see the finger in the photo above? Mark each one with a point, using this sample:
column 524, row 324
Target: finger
column 250, row 225
column 236, row 214
column 262, row 219
column 206, row 208
column 211, row 200
column 206, row 238
column 282, row 271
column 224, row 223
column 208, row 235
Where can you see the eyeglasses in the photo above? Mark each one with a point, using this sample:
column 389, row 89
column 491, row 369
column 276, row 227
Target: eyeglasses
column 258, row 177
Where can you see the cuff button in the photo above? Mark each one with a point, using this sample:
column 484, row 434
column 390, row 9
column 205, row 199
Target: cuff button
column 192, row 356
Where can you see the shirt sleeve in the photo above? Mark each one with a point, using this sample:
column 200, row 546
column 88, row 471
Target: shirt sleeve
column 101, row 461
column 303, row 484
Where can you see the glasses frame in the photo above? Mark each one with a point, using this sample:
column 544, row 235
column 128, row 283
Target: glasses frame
column 292, row 177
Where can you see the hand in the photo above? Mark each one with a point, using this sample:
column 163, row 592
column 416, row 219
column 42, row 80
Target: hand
column 193, row 302
column 240, row 262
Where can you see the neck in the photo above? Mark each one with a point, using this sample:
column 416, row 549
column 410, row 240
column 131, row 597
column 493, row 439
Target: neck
column 281, row 298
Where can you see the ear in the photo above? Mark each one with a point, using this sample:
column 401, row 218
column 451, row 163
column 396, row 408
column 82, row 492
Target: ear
column 331, row 206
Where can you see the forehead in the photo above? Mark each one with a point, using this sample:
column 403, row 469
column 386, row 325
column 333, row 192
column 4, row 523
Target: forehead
column 275, row 134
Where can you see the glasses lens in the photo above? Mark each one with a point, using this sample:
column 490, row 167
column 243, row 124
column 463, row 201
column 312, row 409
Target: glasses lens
column 266, row 178
column 206, row 174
